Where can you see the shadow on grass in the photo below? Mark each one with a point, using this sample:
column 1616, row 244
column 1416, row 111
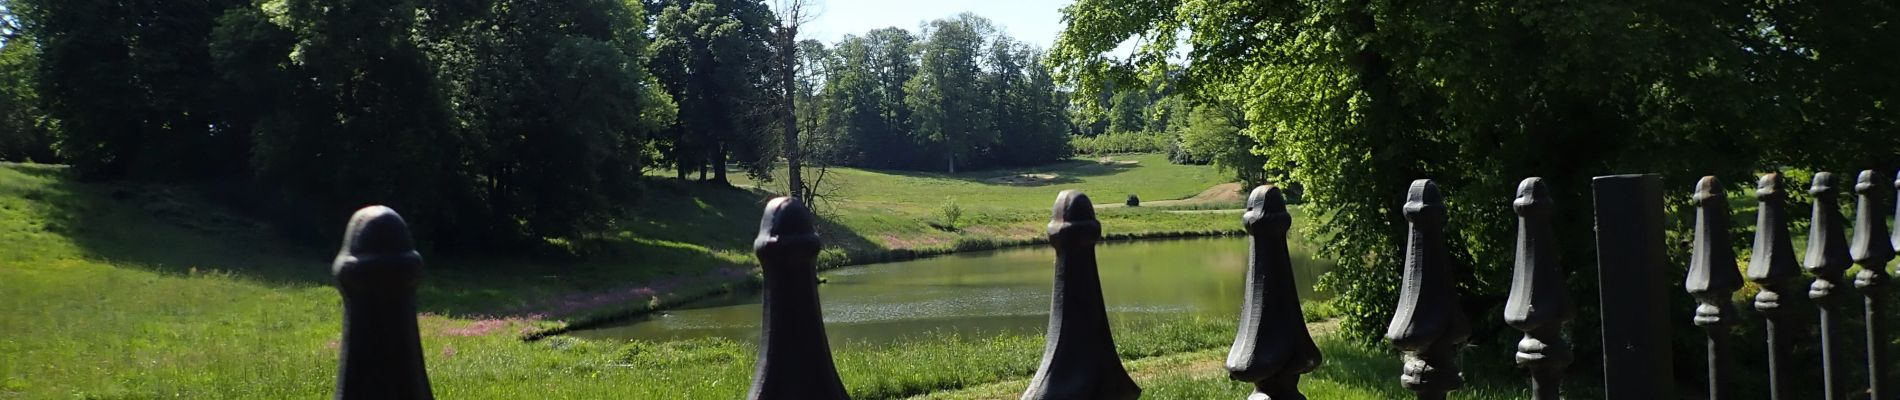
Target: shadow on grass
column 165, row 229
column 678, row 237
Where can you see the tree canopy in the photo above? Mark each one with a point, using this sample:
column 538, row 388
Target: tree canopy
column 498, row 124
column 1355, row 99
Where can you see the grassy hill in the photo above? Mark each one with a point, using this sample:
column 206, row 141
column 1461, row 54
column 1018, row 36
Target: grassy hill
column 140, row 291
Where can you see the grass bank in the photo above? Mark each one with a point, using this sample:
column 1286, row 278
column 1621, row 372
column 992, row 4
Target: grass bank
column 137, row 291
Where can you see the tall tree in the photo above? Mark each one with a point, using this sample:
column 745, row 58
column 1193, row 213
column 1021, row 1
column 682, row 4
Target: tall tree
column 563, row 107
column 945, row 96
column 126, row 80
column 791, row 15
column 714, row 57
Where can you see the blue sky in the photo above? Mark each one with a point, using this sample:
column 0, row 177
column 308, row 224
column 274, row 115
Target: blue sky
column 1031, row 21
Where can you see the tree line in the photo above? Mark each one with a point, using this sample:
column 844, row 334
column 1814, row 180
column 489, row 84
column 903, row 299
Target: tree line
column 497, row 123
column 1356, row 99
column 958, row 95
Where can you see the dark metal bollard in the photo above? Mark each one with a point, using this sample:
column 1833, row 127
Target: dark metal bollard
column 1079, row 361
column 1273, row 347
column 1634, row 295
column 1871, row 250
column 1713, row 279
column 1772, row 266
column 1827, row 259
column 794, row 357
column 377, row 272
column 1429, row 326
column 1539, row 304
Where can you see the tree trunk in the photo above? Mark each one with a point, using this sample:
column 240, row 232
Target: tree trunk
column 719, row 164
column 788, row 64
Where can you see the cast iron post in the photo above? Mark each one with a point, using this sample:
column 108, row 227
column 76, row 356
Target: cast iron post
column 1539, row 304
column 1079, row 359
column 1713, row 278
column 1633, row 290
column 1871, row 250
column 1273, row 347
column 1428, row 326
column 794, row 355
column 377, row 271
column 1827, row 259
column 1772, row 266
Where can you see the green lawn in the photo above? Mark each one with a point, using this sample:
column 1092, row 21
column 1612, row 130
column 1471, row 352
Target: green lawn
column 111, row 290
column 895, row 210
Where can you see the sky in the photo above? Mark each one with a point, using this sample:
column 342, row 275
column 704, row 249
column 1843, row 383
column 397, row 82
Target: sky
column 1035, row 22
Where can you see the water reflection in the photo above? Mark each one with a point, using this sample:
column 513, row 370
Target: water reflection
column 984, row 293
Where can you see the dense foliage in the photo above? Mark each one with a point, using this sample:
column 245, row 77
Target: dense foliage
column 961, row 95
column 1356, row 99
column 497, row 123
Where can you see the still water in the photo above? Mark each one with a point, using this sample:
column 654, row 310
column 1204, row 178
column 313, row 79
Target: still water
column 987, row 293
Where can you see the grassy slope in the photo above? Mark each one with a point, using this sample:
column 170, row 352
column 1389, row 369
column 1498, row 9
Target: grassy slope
column 136, row 291
column 895, row 210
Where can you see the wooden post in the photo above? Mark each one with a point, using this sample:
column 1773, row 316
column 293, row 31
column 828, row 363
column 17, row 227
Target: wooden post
column 377, row 271
column 1429, row 326
column 1273, row 347
column 1634, row 294
column 1772, row 266
column 1713, row 279
column 1827, row 259
column 1872, row 250
column 1079, row 360
column 1539, row 304
column 794, row 355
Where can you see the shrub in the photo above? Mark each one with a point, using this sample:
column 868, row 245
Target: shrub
column 950, row 213
column 1122, row 143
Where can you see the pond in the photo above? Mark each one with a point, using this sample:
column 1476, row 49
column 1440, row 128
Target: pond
column 988, row 293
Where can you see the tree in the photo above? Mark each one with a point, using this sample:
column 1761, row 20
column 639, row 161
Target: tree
column 1479, row 97
column 25, row 131
column 126, row 82
column 562, row 108
column 945, row 99
column 714, row 58
column 791, row 15
column 1213, row 133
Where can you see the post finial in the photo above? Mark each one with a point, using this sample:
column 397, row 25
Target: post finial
column 794, row 353
column 1539, row 303
column 1773, row 267
column 1828, row 255
column 377, row 271
column 1078, row 358
column 1869, row 249
column 1429, row 325
column 1273, row 347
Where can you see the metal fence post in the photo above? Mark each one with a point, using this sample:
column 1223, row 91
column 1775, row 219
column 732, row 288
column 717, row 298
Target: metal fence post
column 1871, row 250
column 1634, row 294
column 1429, row 326
column 377, row 271
column 1713, row 279
column 794, row 355
column 1772, row 266
column 1079, row 360
column 1827, row 259
column 1273, row 347
column 1539, row 304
